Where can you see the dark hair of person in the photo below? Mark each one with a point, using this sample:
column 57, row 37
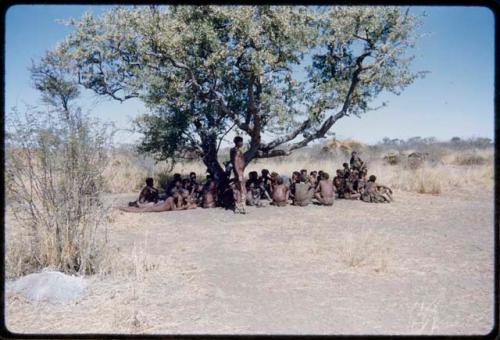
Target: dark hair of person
column 237, row 139
column 372, row 178
column 149, row 181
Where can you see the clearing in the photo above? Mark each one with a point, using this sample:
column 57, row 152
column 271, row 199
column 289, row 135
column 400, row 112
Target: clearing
column 421, row 265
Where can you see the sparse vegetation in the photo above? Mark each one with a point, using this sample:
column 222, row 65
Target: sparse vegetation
column 443, row 167
column 54, row 178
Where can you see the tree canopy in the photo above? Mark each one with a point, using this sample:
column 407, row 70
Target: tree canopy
column 286, row 72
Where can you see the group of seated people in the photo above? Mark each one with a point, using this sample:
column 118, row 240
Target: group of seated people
column 304, row 188
column 301, row 189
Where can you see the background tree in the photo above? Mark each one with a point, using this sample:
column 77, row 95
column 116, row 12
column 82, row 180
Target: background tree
column 286, row 73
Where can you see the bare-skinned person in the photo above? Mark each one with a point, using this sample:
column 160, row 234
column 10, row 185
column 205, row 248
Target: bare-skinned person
column 185, row 201
column 325, row 192
column 303, row 172
column 349, row 192
column 169, row 204
column 209, row 194
column 346, row 172
column 148, row 194
column 196, row 188
column 361, row 183
column 253, row 178
column 371, row 193
column 338, row 184
column 356, row 162
column 280, row 193
column 173, row 184
column 265, row 182
column 318, row 178
column 293, row 181
column 253, row 189
column 304, row 192
column 254, row 195
column 238, row 162
column 313, row 178
column 274, row 178
column 186, row 184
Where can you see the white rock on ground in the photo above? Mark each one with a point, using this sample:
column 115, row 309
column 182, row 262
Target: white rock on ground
column 51, row 286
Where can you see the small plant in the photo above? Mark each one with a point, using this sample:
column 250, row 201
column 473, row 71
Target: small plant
column 366, row 249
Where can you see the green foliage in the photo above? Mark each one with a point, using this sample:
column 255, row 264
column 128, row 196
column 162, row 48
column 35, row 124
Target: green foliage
column 203, row 69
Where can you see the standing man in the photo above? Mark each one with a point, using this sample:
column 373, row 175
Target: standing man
column 238, row 163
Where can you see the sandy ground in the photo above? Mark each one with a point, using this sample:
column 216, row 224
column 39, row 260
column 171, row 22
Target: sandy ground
column 422, row 265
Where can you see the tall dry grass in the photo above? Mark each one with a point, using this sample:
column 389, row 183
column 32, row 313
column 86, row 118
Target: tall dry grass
column 445, row 169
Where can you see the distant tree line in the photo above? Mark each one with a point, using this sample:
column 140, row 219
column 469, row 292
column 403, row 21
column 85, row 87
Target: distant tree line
column 456, row 142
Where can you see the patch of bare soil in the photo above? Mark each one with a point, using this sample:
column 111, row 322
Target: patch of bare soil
column 421, row 265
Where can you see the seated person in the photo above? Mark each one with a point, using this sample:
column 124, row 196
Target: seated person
column 294, row 180
column 318, row 178
column 254, row 189
column 265, row 182
column 148, row 194
column 361, row 183
column 186, row 184
column 185, row 201
column 346, row 172
column 272, row 182
column 349, row 191
column 371, row 193
column 303, row 192
column 280, row 193
column 196, row 189
column 324, row 192
column 253, row 178
column 209, row 194
column 176, row 182
column 169, row 204
column 303, row 172
column 312, row 179
column 338, row 184
column 254, row 194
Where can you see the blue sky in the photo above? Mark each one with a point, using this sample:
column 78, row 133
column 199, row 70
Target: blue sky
column 454, row 99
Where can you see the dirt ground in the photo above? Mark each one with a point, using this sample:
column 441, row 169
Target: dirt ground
column 421, row 265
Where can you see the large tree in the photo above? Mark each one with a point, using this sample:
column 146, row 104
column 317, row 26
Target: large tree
column 286, row 73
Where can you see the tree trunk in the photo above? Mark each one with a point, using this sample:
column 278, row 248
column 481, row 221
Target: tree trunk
column 215, row 169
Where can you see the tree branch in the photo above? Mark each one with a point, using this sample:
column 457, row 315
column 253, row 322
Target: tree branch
column 328, row 123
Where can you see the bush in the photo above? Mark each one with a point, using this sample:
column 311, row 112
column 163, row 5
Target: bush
column 470, row 159
column 54, row 168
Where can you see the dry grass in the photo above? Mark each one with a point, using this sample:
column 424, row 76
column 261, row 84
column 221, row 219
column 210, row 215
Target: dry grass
column 54, row 169
column 368, row 249
column 445, row 170
column 124, row 174
column 471, row 157
column 121, row 263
